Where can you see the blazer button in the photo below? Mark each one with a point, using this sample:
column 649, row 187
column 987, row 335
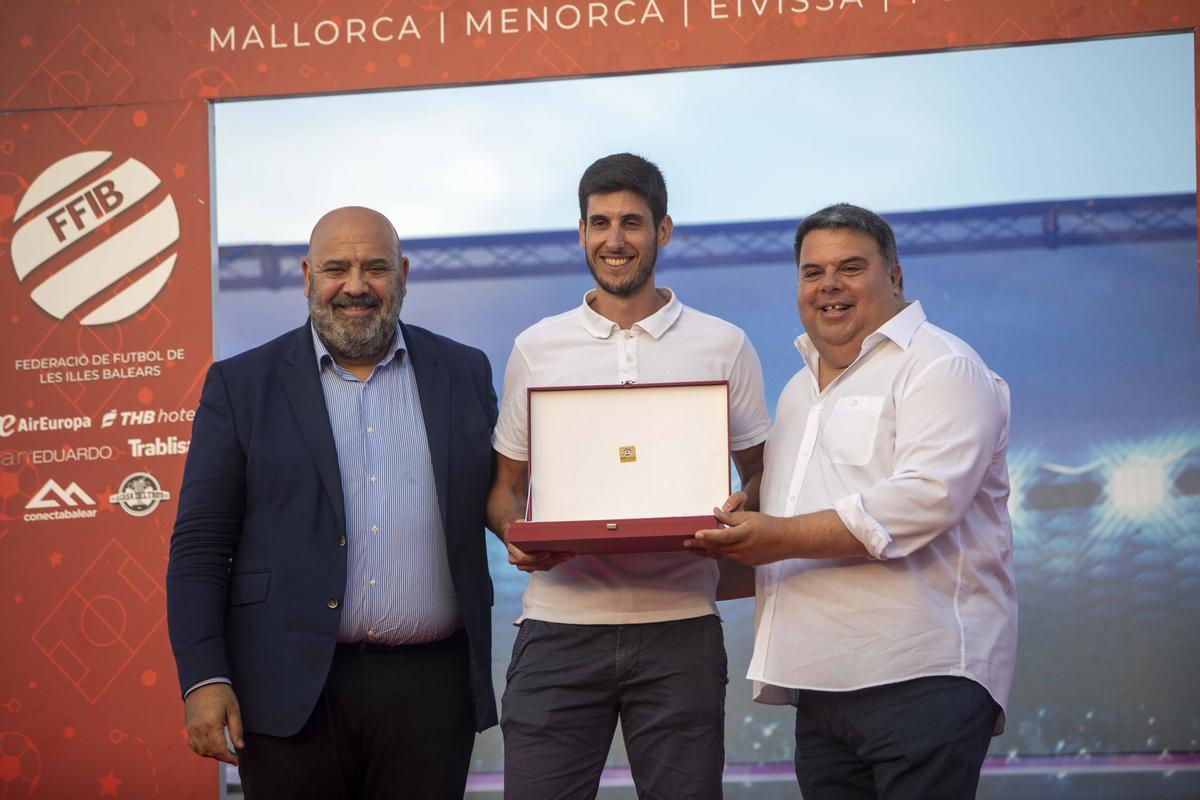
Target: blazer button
column 341, row 541
column 332, row 602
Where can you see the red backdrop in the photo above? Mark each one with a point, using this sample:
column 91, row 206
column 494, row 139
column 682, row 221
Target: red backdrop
column 106, row 280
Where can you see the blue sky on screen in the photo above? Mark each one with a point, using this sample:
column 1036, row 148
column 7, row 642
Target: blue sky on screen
column 1086, row 119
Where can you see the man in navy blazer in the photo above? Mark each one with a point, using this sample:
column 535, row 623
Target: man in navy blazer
column 328, row 593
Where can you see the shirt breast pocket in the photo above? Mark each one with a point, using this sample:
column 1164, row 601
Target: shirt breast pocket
column 849, row 433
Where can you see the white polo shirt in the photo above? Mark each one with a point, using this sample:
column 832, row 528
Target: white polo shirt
column 582, row 348
column 908, row 446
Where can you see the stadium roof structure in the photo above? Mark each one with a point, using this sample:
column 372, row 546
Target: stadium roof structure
column 1049, row 224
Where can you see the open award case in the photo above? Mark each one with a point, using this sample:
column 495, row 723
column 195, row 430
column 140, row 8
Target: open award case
column 624, row 469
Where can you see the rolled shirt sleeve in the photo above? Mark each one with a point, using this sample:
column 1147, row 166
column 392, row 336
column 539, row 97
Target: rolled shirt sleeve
column 951, row 427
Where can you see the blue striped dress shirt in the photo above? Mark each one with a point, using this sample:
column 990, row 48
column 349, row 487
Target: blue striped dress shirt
column 398, row 586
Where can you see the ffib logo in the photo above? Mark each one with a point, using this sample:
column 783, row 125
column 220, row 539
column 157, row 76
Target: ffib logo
column 71, row 214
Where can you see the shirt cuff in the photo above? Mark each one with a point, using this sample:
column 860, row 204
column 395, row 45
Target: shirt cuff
column 862, row 525
column 196, row 686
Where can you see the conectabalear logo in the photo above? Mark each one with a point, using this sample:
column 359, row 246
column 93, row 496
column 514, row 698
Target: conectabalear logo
column 57, row 502
column 70, row 212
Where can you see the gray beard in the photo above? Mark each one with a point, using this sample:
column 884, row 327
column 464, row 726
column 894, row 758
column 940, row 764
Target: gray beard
column 355, row 340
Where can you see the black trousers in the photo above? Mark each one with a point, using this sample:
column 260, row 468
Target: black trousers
column 569, row 684
column 390, row 723
column 923, row 739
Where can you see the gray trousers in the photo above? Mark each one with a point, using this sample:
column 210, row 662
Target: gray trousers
column 569, row 684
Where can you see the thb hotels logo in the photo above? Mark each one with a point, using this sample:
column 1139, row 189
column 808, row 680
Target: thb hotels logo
column 95, row 241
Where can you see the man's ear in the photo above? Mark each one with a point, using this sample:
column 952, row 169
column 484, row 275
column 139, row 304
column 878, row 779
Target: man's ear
column 664, row 230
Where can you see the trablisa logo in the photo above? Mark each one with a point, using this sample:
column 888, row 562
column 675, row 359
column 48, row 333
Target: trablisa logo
column 105, row 277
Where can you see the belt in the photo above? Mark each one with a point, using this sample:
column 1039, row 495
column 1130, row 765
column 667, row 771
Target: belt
column 453, row 641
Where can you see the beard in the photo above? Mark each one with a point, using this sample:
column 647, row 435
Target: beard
column 629, row 284
column 356, row 339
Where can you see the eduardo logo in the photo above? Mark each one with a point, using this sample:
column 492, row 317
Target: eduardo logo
column 114, row 276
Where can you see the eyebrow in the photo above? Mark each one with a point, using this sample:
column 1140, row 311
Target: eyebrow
column 632, row 216
column 841, row 263
column 341, row 262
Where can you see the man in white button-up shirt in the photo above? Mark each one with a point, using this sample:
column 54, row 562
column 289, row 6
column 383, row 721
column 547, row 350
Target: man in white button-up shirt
column 887, row 612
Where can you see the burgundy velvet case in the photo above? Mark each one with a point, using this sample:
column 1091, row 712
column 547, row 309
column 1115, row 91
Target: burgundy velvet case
column 633, row 468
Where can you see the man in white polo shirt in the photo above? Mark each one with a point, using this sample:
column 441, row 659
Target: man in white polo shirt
column 887, row 612
column 629, row 637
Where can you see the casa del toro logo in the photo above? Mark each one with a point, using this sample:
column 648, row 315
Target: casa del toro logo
column 95, row 236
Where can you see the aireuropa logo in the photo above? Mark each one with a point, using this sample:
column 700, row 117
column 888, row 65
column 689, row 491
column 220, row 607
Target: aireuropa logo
column 11, row 423
column 140, row 494
column 68, row 213
column 55, row 502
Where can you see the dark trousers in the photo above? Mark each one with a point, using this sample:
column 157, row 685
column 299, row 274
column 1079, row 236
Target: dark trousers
column 923, row 739
column 390, row 723
column 569, row 684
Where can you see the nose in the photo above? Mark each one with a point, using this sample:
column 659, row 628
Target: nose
column 355, row 282
column 830, row 281
column 615, row 239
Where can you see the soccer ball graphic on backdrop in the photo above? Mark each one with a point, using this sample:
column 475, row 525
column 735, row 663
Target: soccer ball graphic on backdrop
column 94, row 241
column 20, row 766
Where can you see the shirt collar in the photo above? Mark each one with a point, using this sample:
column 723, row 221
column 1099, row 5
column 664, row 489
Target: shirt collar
column 656, row 324
column 899, row 329
column 323, row 353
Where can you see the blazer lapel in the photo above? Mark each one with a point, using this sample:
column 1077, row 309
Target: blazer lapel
column 433, row 387
column 302, row 385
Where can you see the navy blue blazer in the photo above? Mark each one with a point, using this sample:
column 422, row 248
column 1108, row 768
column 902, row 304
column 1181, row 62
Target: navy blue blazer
column 257, row 566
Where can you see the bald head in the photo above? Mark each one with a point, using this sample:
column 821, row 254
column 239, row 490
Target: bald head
column 368, row 223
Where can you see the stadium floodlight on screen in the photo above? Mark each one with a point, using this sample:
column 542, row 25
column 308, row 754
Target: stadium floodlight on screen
column 969, row 154
column 1043, row 195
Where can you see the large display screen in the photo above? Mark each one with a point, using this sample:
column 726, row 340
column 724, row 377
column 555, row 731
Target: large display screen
column 1098, row 341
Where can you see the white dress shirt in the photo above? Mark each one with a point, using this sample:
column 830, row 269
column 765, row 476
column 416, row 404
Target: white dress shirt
column 583, row 348
column 908, row 446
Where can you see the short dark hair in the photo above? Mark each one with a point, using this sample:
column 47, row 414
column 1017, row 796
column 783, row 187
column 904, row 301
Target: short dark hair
column 845, row 215
column 622, row 171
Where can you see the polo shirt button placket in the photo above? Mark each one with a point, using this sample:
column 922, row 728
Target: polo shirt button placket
column 627, row 358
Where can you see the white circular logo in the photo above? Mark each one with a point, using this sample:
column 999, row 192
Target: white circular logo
column 109, row 277
column 140, row 494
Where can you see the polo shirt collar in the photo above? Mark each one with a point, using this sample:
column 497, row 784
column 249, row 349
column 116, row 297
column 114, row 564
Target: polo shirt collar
column 655, row 325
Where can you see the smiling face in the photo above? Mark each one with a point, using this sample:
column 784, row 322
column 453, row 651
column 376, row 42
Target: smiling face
column 846, row 292
column 354, row 279
column 621, row 242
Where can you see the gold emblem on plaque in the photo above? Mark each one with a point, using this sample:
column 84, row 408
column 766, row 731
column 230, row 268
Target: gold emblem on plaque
column 627, row 453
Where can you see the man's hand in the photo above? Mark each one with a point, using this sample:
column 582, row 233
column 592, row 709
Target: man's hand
column 206, row 712
column 751, row 538
column 735, row 502
column 505, row 505
column 539, row 561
